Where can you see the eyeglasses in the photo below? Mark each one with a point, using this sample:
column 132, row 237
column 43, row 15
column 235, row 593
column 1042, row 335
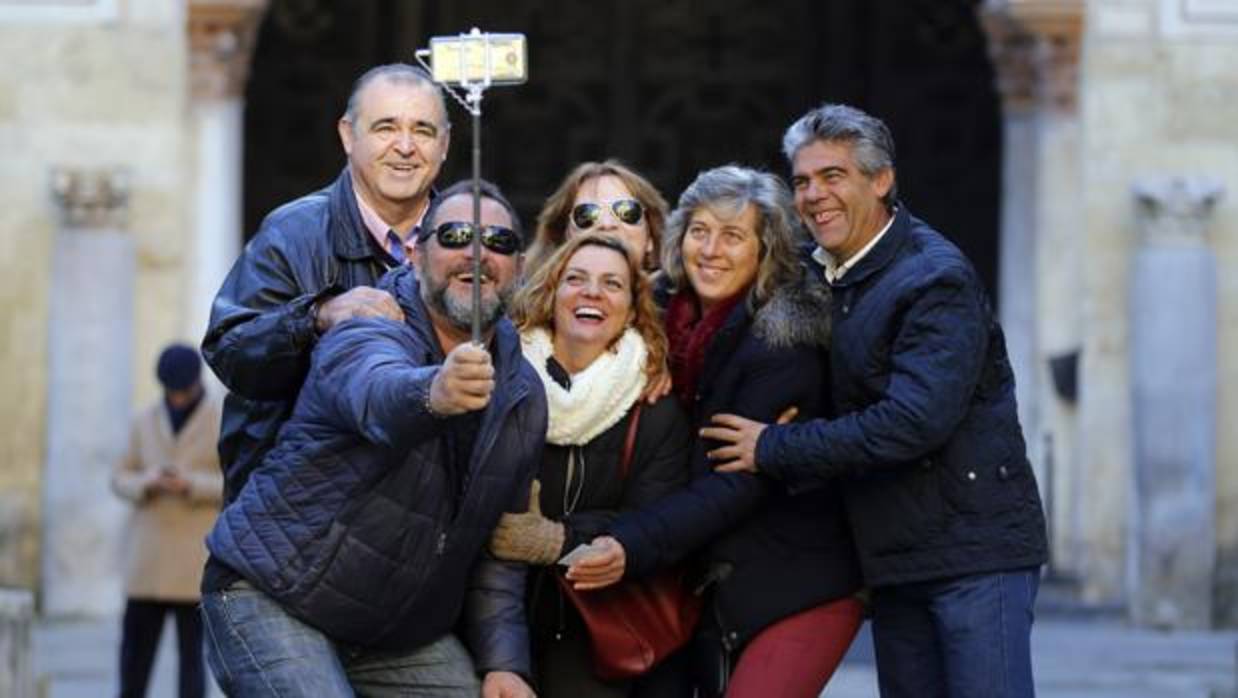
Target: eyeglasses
column 456, row 234
column 629, row 211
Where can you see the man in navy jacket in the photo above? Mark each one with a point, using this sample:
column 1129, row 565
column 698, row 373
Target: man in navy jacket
column 357, row 544
column 941, row 498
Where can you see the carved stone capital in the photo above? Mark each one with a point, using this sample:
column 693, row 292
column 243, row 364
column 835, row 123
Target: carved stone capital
column 1176, row 209
column 221, row 43
column 1034, row 45
column 92, row 198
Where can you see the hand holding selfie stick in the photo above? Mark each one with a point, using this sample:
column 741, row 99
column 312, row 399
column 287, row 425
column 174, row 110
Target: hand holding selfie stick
column 475, row 61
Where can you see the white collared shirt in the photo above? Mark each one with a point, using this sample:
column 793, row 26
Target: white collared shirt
column 833, row 270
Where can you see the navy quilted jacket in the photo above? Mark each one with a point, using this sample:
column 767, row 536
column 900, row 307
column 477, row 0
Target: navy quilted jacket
column 353, row 521
column 938, row 481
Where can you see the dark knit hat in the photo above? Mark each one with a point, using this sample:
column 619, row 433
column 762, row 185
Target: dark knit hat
column 179, row 367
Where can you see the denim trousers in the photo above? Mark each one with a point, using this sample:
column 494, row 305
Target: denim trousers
column 963, row 637
column 255, row 648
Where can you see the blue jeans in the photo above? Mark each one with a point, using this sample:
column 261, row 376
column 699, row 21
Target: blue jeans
column 255, row 648
column 963, row 637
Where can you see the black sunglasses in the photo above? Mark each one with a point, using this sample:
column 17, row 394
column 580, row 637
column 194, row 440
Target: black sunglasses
column 456, row 234
column 628, row 211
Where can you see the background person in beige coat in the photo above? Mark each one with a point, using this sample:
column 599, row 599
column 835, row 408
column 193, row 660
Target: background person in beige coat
column 171, row 474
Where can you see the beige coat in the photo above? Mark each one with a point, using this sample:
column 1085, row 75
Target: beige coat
column 164, row 547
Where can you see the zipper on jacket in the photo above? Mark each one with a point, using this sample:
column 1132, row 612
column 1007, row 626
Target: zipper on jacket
column 501, row 413
column 441, row 547
column 561, row 628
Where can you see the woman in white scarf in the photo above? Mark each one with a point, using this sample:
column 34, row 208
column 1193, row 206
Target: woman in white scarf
column 590, row 328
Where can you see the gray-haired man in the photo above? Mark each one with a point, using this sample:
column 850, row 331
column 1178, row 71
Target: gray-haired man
column 942, row 501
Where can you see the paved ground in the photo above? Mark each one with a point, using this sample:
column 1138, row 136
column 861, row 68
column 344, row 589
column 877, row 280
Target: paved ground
column 1075, row 657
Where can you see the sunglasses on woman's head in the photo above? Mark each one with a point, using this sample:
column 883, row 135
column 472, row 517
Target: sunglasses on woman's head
column 456, row 234
column 628, row 211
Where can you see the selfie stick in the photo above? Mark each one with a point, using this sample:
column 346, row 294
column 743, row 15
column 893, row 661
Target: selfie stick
column 475, row 61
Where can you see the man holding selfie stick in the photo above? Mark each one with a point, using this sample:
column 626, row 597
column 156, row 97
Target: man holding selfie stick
column 358, row 542
column 347, row 559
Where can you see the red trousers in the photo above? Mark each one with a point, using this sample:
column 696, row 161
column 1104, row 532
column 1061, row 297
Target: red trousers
column 798, row 654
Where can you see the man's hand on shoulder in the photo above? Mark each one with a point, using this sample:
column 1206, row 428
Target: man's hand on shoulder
column 505, row 684
column 361, row 301
column 739, row 437
column 464, row 383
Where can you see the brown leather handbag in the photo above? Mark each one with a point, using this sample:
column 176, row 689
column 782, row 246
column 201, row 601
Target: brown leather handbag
column 636, row 623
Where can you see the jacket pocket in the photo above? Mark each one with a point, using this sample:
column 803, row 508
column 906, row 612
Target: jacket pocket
column 987, row 480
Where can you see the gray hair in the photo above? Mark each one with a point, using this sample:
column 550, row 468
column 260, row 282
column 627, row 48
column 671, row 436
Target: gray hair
column 779, row 230
column 870, row 139
column 399, row 73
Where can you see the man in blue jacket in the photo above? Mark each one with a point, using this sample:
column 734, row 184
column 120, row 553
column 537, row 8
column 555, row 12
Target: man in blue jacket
column 357, row 543
column 941, row 498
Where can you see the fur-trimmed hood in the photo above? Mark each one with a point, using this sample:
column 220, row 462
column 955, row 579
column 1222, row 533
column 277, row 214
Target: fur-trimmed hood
column 796, row 313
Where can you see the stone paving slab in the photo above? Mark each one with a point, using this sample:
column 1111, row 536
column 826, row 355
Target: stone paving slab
column 1073, row 659
column 1094, row 658
column 78, row 659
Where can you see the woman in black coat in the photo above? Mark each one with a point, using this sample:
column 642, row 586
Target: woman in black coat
column 591, row 330
column 778, row 569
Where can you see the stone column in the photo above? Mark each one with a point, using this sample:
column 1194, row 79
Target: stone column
column 1173, row 326
column 1034, row 45
column 16, row 618
column 221, row 40
column 89, row 390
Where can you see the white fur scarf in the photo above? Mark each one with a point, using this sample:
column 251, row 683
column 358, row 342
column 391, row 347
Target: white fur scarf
column 600, row 395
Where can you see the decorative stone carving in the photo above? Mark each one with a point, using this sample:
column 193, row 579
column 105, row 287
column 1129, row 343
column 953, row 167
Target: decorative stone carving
column 221, row 41
column 92, row 198
column 1035, row 49
column 1173, row 364
column 1176, row 209
column 90, row 330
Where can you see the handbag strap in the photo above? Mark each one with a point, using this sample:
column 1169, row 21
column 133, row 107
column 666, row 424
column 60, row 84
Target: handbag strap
column 629, row 441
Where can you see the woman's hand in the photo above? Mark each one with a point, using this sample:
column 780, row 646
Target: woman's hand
column 601, row 568
column 528, row 536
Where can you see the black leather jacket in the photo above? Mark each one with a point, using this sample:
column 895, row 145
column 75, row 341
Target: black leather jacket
column 261, row 332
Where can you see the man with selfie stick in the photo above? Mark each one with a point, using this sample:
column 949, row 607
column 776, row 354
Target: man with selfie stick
column 357, row 542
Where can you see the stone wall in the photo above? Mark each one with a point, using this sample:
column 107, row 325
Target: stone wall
column 86, row 86
column 1157, row 98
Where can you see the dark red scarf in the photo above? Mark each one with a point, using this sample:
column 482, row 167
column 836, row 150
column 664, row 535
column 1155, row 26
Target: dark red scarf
column 689, row 333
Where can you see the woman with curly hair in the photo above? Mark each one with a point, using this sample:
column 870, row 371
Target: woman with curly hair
column 778, row 570
column 589, row 327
